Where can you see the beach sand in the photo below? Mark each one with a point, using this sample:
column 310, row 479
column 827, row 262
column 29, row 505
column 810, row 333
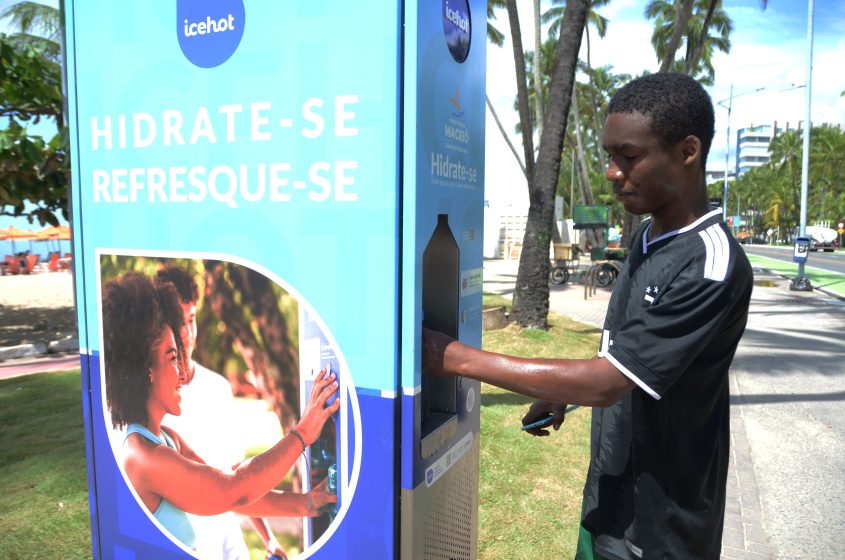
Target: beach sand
column 36, row 308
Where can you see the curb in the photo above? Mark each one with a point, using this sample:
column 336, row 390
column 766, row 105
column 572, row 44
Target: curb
column 38, row 349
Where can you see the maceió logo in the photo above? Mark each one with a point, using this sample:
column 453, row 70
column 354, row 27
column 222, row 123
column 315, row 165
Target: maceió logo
column 209, row 31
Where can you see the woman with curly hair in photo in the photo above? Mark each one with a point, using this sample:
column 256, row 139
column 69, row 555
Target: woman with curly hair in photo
column 145, row 366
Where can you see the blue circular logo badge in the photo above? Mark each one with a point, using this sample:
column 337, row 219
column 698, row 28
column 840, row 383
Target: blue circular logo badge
column 209, row 31
column 457, row 26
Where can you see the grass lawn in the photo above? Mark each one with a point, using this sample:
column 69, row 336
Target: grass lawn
column 530, row 488
column 44, row 497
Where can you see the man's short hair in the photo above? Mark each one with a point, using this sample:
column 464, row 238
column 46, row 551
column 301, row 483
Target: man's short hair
column 186, row 286
column 677, row 104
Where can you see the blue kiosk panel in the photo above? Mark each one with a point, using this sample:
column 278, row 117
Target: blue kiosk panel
column 271, row 150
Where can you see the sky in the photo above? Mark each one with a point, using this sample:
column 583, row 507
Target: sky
column 769, row 49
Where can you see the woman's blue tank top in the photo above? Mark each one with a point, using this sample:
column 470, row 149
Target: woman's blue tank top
column 171, row 517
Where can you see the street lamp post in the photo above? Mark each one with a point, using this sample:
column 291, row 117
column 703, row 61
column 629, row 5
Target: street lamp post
column 729, row 101
column 802, row 283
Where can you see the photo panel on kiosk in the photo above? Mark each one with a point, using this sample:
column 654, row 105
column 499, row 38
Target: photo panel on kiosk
column 241, row 309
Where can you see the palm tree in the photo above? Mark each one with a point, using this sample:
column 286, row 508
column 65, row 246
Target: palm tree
column 699, row 38
column 555, row 16
column 531, row 293
column 538, row 107
column 827, row 159
column 786, row 152
column 781, row 206
column 606, row 84
column 696, row 34
column 498, row 38
column 543, row 76
column 753, row 189
column 679, row 14
column 36, row 22
column 522, row 91
column 494, row 35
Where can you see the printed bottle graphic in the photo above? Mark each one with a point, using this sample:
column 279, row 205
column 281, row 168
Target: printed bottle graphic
column 440, row 300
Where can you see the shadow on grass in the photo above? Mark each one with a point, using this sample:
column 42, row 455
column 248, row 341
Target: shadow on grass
column 494, row 399
column 588, row 330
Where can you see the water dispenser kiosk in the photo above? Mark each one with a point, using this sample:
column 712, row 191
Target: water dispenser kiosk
column 318, row 166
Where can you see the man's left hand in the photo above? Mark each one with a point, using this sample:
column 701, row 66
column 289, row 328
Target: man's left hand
column 539, row 409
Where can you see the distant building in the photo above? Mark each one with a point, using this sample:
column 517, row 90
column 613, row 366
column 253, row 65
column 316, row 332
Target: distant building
column 716, row 176
column 753, row 144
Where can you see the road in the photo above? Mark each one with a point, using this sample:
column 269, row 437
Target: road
column 831, row 262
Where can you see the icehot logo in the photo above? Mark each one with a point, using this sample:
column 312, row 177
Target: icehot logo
column 209, row 31
column 457, row 26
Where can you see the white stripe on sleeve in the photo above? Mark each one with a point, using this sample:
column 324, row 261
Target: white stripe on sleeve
column 627, row 373
column 718, row 253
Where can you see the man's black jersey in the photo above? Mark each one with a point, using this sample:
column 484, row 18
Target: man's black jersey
column 659, row 456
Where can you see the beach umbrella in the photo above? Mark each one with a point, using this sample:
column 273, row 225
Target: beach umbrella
column 64, row 232
column 47, row 234
column 57, row 233
column 14, row 233
column 53, row 233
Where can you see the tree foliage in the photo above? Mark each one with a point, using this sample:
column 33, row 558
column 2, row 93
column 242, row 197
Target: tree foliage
column 32, row 169
column 695, row 36
column 767, row 197
column 493, row 34
column 35, row 23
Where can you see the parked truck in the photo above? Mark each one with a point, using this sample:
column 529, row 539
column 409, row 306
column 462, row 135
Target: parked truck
column 823, row 238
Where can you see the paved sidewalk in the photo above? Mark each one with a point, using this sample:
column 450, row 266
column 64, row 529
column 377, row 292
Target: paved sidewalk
column 745, row 535
column 38, row 364
column 790, row 387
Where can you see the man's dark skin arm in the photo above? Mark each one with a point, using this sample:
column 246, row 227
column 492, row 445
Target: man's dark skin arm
column 554, row 383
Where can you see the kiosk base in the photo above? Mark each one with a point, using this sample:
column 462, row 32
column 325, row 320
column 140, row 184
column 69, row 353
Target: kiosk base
column 440, row 521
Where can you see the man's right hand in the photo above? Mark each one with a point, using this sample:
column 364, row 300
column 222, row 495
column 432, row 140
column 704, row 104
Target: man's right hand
column 538, row 410
column 434, row 352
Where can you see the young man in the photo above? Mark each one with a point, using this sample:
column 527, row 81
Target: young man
column 659, row 384
column 206, row 423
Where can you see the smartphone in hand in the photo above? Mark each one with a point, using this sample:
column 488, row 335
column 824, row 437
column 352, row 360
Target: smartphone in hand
column 547, row 420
